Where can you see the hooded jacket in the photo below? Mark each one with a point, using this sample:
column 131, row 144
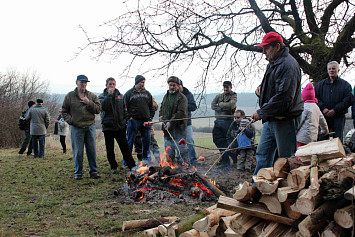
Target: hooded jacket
column 191, row 103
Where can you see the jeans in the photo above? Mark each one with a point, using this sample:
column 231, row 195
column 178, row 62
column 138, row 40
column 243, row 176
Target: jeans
column 38, row 140
column 27, row 141
column 121, row 139
column 280, row 135
column 335, row 125
column 173, row 152
column 81, row 137
column 133, row 127
column 219, row 134
column 191, row 148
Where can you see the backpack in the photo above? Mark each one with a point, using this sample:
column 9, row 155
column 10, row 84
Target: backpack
column 22, row 121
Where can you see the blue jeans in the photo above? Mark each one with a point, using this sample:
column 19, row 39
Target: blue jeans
column 133, row 127
column 173, row 152
column 27, row 141
column 335, row 125
column 81, row 137
column 280, row 135
column 190, row 139
column 38, row 140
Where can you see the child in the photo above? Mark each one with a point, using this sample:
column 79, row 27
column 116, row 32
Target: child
column 312, row 118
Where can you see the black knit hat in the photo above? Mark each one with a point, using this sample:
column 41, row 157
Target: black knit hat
column 30, row 103
column 227, row 83
column 39, row 101
column 138, row 79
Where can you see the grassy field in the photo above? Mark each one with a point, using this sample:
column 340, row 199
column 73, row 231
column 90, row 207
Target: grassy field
column 41, row 198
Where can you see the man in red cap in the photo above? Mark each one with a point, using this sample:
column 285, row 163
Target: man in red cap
column 280, row 101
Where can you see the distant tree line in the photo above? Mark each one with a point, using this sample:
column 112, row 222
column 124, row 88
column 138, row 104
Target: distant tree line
column 16, row 89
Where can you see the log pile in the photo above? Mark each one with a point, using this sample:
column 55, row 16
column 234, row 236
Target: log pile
column 314, row 197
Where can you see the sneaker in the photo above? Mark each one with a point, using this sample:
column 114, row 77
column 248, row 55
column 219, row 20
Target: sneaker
column 78, row 177
column 94, row 176
column 114, row 171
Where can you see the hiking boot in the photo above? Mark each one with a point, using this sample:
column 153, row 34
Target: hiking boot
column 78, row 177
column 94, row 176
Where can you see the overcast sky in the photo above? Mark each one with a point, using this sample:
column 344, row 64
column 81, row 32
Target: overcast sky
column 43, row 36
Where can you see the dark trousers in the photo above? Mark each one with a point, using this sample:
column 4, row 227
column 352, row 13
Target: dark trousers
column 219, row 133
column 27, row 141
column 38, row 141
column 335, row 125
column 121, row 139
column 62, row 142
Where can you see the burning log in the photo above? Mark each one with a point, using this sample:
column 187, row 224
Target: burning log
column 344, row 216
column 209, row 185
column 247, row 192
column 147, row 223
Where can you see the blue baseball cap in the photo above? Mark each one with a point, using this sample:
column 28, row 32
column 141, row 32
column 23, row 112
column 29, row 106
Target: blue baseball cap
column 82, row 78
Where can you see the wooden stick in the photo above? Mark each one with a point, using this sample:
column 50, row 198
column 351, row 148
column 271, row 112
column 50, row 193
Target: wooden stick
column 314, row 187
column 216, row 191
column 147, row 223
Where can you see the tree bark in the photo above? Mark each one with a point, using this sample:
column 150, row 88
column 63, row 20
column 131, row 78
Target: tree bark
column 147, row 223
column 248, row 192
column 298, row 178
column 281, row 168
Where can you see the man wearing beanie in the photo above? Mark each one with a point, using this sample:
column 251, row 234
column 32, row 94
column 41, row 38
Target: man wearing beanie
column 140, row 109
column 79, row 109
column 27, row 140
column 334, row 99
column 174, row 106
column 39, row 117
column 280, row 101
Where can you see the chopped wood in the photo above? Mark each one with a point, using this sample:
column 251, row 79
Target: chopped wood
column 331, row 231
column 163, row 229
column 307, row 202
column 202, row 224
column 272, row 203
column 212, row 231
column 347, row 173
column 190, row 233
column 326, row 210
column 208, row 210
column 230, row 233
column 325, row 150
column 350, row 194
column 204, row 234
column 314, row 187
column 184, row 225
column 290, row 209
column 224, row 224
column 337, row 163
column 294, row 162
column 274, row 229
column 253, row 210
column 152, row 232
column 298, row 178
column 345, row 216
column 244, row 223
column 212, row 219
column 256, row 230
column 248, row 192
column 147, row 223
column 286, row 192
column 281, row 168
column 308, row 229
column 267, row 173
column 266, row 187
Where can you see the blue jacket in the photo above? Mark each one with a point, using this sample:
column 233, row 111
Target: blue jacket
column 336, row 95
column 191, row 104
column 280, row 90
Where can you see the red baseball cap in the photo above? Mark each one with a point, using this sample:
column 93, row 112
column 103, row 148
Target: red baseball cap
column 270, row 37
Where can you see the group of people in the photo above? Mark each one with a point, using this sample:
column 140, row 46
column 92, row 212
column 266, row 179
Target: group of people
column 291, row 117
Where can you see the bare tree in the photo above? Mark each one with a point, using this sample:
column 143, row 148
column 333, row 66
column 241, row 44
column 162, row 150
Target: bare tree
column 16, row 90
column 220, row 35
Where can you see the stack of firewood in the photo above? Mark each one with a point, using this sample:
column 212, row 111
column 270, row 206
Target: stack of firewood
column 311, row 195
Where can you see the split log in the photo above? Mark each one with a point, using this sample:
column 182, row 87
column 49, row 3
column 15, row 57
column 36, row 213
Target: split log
column 274, row 229
column 248, row 192
column 327, row 209
column 298, row 178
column 230, row 233
column 325, row 150
column 183, row 226
column 208, row 210
column 147, row 223
column 286, row 192
column 212, row 231
column 267, row 173
column 203, row 234
column 294, row 162
column 314, row 186
column 256, row 230
column 290, row 209
column 307, row 202
column 253, row 210
column 308, row 229
column 350, row 194
column 331, row 231
column 244, row 223
column 152, row 232
column 209, row 185
column 163, row 229
column 204, row 224
column 344, row 216
column 272, row 203
column 347, row 173
column 281, row 168
column 337, row 163
column 190, row 233
column 224, row 224
column 266, row 187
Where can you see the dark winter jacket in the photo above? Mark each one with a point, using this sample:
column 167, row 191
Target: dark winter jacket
column 280, row 90
column 139, row 104
column 191, row 103
column 77, row 113
column 179, row 110
column 336, row 95
column 113, row 111
column 224, row 104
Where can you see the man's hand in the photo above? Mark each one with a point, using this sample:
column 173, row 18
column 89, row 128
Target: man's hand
column 161, row 119
column 84, row 100
column 111, row 90
column 331, row 113
column 325, row 111
column 256, row 117
column 167, row 125
column 257, row 91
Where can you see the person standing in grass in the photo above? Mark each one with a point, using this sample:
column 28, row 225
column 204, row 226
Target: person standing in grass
column 63, row 130
column 28, row 140
column 113, row 119
column 39, row 117
column 79, row 109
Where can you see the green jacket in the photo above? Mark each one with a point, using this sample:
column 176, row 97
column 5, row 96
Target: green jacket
column 225, row 104
column 77, row 113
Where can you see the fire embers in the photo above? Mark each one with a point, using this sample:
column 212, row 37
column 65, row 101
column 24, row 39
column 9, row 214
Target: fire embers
column 167, row 181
